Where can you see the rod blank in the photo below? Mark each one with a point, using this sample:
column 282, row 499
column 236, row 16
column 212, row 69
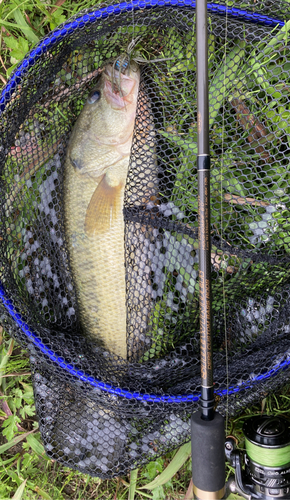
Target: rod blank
column 203, row 167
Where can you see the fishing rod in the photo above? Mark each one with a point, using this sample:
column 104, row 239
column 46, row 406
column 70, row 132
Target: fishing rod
column 263, row 472
column 207, row 426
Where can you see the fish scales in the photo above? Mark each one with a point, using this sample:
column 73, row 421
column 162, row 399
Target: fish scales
column 95, row 176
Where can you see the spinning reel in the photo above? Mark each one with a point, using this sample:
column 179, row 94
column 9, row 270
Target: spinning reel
column 267, row 459
column 261, row 472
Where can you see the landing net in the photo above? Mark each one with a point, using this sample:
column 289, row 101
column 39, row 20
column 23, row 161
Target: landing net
column 106, row 414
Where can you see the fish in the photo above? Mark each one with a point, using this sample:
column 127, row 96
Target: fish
column 96, row 169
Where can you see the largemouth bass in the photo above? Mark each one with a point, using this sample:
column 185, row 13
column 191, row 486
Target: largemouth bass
column 95, row 176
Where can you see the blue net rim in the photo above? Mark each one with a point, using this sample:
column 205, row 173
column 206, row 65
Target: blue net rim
column 67, row 29
column 279, row 366
column 55, row 36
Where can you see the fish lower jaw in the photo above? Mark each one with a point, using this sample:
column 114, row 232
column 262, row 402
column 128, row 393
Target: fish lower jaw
column 116, row 101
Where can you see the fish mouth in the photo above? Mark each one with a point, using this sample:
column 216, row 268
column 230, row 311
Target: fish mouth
column 118, row 89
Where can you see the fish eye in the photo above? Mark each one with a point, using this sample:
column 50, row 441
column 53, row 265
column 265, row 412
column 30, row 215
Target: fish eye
column 94, row 96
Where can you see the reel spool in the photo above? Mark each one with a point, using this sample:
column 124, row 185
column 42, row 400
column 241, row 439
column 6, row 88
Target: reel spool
column 267, row 459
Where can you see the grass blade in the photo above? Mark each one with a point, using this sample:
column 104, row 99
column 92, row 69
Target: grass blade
column 25, row 28
column 282, row 35
column 176, row 463
column 222, row 83
column 39, row 491
column 20, row 491
column 260, row 59
column 189, row 493
column 133, row 482
column 144, row 494
column 36, row 446
column 4, row 447
column 188, row 145
column 5, row 357
column 9, row 461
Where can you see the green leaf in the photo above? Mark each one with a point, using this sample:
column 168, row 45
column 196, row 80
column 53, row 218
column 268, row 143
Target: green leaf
column 158, row 493
column 17, row 399
column 133, row 482
column 57, row 18
column 9, row 426
column 223, row 81
column 176, row 463
column 19, row 492
column 11, row 42
column 155, row 466
column 36, row 445
column 28, row 410
column 25, row 28
column 14, row 441
column 29, row 398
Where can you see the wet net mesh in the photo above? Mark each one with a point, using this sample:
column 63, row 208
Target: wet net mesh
column 98, row 412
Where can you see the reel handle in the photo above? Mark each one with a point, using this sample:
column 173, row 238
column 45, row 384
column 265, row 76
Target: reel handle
column 236, row 484
column 232, row 487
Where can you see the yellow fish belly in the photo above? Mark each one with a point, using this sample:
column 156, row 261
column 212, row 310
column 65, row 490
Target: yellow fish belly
column 95, row 233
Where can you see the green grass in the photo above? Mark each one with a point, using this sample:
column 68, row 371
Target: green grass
column 25, row 472
column 24, row 23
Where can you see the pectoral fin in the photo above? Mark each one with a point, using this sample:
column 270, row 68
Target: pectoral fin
column 104, row 208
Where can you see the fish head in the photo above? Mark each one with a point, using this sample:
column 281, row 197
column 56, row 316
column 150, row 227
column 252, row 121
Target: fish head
column 104, row 129
column 114, row 99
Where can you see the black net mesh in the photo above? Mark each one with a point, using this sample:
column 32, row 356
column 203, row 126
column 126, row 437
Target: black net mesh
column 102, row 408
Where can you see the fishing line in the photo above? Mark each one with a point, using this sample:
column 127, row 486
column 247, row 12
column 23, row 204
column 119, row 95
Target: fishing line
column 268, row 457
column 263, row 471
column 133, row 22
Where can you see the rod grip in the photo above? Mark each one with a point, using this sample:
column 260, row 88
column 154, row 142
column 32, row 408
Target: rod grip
column 208, row 456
